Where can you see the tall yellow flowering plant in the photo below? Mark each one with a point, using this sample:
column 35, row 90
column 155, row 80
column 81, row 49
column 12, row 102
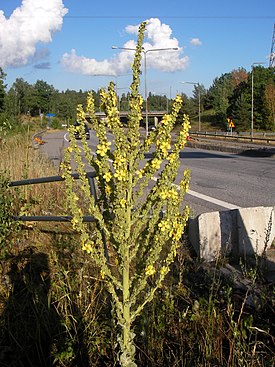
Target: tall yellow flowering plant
column 138, row 229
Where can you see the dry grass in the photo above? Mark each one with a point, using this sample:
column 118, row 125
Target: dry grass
column 19, row 160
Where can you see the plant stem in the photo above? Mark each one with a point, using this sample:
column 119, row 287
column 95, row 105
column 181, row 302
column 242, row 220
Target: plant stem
column 128, row 347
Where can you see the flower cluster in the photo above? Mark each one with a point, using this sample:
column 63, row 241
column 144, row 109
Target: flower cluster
column 88, row 247
column 176, row 230
column 163, row 146
column 138, row 226
column 103, row 148
column 150, row 270
column 164, row 225
column 169, row 194
column 121, row 175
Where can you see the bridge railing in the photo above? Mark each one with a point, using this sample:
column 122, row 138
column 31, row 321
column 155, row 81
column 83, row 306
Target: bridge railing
column 263, row 138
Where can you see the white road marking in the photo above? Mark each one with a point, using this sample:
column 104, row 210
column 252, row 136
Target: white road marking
column 65, row 137
column 210, row 199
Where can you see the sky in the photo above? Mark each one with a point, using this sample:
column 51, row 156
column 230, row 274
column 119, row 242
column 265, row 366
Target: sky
column 68, row 43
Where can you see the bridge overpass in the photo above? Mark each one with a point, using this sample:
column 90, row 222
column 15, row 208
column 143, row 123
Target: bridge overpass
column 124, row 115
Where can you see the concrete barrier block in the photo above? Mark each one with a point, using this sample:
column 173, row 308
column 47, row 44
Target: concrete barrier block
column 229, row 238
column 256, row 230
column 233, row 233
column 212, row 234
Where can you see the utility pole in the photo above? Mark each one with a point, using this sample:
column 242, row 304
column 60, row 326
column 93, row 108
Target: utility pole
column 272, row 52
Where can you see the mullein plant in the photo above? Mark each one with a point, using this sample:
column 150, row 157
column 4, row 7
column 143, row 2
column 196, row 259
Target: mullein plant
column 138, row 230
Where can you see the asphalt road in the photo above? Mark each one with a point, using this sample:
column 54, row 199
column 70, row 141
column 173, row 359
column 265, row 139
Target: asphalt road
column 236, row 180
column 219, row 181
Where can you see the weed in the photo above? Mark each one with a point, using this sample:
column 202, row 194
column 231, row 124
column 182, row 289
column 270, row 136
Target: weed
column 8, row 227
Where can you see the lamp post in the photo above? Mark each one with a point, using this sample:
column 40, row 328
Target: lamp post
column 252, row 95
column 145, row 73
column 193, row 83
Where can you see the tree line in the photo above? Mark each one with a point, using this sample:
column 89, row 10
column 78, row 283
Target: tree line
column 229, row 96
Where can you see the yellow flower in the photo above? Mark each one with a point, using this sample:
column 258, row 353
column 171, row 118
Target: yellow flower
column 139, row 173
column 150, row 270
column 163, row 146
column 156, row 163
column 102, row 149
column 164, row 270
column 148, row 141
column 74, row 222
column 102, row 273
column 121, row 175
column 88, row 247
column 164, row 225
column 166, row 120
column 176, row 231
column 108, row 189
column 119, row 160
column 178, row 99
column 172, row 157
column 80, row 112
column 107, row 177
column 122, row 202
column 173, row 194
column 164, row 194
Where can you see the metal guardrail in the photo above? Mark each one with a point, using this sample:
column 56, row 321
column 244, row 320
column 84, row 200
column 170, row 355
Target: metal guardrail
column 58, row 218
column 268, row 139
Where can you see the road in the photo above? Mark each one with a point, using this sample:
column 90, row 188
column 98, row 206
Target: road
column 236, row 180
column 219, row 181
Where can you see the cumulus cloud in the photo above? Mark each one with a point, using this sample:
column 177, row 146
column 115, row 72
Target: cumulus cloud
column 33, row 22
column 158, row 35
column 195, row 42
column 84, row 65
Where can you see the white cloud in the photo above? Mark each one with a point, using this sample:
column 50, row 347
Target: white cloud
column 84, row 65
column 195, row 42
column 33, row 22
column 158, row 35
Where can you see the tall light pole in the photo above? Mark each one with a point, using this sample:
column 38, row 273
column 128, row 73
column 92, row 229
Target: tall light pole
column 145, row 73
column 193, row 83
column 252, row 95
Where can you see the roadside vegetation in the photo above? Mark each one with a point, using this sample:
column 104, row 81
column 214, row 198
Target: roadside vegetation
column 55, row 309
column 64, row 303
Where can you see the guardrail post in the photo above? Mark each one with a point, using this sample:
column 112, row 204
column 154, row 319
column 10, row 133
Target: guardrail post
column 92, row 187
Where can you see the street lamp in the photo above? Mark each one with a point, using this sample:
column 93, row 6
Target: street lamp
column 145, row 73
column 252, row 95
column 193, row 83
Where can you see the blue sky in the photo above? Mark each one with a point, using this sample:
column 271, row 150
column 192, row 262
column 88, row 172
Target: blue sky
column 69, row 43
